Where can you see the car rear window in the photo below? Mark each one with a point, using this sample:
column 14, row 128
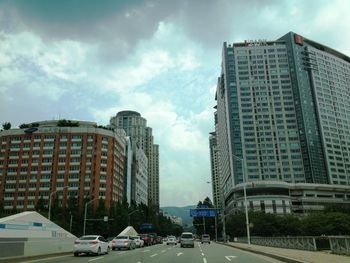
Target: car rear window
column 87, row 238
column 187, row 236
column 121, row 237
column 205, row 236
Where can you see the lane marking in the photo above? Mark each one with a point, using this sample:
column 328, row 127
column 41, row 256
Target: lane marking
column 38, row 260
column 147, row 250
column 153, row 255
column 122, row 252
column 163, row 251
column 179, row 254
column 228, row 257
column 204, row 260
column 203, row 254
column 95, row 259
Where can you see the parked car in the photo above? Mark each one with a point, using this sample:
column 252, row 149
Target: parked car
column 148, row 240
column 187, row 239
column 123, row 242
column 92, row 244
column 171, row 240
column 205, row 239
column 138, row 241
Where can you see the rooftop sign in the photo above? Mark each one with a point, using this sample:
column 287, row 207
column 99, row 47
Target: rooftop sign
column 256, row 42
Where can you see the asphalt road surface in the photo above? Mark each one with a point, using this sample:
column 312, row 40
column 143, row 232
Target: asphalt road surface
column 201, row 253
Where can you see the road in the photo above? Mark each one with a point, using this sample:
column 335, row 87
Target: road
column 201, row 253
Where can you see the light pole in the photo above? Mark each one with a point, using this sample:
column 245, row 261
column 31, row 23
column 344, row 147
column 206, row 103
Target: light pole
column 245, row 198
column 86, row 211
column 49, row 216
column 130, row 215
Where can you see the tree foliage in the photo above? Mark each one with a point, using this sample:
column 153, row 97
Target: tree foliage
column 67, row 123
column 6, row 125
column 266, row 224
column 120, row 215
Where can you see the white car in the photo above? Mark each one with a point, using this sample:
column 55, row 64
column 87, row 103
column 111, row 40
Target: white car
column 123, row 242
column 138, row 241
column 171, row 240
column 92, row 244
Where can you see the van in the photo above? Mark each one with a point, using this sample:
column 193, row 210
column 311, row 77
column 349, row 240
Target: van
column 187, row 239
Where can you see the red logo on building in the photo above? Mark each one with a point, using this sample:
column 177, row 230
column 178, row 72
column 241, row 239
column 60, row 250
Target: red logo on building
column 298, row 40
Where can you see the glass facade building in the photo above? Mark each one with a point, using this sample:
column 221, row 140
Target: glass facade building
column 283, row 109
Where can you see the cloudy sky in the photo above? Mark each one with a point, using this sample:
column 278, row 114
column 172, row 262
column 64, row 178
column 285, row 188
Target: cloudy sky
column 87, row 60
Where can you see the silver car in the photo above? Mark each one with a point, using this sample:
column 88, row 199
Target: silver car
column 187, row 239
column 123, row 242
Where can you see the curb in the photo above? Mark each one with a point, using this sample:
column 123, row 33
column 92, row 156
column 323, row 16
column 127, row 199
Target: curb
column 24, row 259
column 280, row 258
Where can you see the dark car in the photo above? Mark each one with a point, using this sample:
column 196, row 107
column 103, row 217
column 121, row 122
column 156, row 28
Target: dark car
column 147, row 239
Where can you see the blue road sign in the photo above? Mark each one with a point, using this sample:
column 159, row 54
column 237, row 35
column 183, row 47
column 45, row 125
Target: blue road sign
column 203, row 212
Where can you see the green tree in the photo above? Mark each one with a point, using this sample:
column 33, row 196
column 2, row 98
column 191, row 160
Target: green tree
column 6, row 125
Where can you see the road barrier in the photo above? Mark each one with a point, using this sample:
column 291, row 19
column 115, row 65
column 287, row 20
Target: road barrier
column 340, row 244
column 337, row 244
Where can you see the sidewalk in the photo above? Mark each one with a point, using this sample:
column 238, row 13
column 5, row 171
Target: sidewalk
column 291, row 255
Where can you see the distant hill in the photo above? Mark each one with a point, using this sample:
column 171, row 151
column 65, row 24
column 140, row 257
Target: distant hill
column 183, row 212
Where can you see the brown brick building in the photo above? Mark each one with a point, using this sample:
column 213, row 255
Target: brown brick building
column 83, row 161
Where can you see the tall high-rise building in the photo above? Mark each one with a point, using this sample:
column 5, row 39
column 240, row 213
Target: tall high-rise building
column 53, row 156
column 214, row 162
column 135, row 126
column 283, row 122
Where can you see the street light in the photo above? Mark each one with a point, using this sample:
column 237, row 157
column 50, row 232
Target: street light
column 86, row 211
column 245, row 198
column 49, row 216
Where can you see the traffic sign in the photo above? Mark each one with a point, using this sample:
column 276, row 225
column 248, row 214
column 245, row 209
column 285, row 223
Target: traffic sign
column 203, row 212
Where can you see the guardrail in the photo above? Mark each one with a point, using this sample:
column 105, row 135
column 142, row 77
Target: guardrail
column 340, row 244
column 337, row 244
column 304, row 243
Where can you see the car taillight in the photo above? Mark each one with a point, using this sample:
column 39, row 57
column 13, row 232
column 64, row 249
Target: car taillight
column 126, row 241
column 113, row 241
column 93, row 242
column 76, row 242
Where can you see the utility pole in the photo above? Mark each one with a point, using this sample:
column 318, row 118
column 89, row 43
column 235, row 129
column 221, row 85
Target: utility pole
column 245, row 198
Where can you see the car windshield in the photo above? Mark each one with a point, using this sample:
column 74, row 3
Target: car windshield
column 187, row 236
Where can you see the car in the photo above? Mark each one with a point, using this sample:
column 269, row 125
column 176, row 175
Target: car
column 120, row 242
column 171, row 240
column 91, row 244
column 187, row 239
column 148, row 240
column 205, row 239
column 138, row 241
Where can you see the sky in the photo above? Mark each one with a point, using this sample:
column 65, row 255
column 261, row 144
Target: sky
column 87, row 60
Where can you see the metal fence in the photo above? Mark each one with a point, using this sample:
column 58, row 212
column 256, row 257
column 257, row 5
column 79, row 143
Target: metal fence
column 304, row 243
column 336, row 244
column 340, row 244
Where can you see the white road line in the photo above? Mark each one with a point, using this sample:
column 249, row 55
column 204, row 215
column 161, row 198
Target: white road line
column 147, row 250
column 163, row 251
column 38, row 260
column 204, row 260
column 153, row 255
column 179, row 254
column 95, row 259
column 228, row 257
column 203, row 254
